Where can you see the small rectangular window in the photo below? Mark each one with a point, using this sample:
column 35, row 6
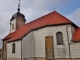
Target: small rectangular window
column 13, row 48
column 12, row 26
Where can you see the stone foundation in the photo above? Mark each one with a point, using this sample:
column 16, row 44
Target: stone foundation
column 40, row 58
column 43, row 58
column 67, row 59
column 51, row 59
column 13, row 58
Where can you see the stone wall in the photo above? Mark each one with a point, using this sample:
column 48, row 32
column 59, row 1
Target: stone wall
column 34, row 42
column 17, row 53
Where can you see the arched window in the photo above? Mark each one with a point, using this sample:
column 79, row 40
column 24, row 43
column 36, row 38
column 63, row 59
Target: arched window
column 13, row 48
column 59, row 37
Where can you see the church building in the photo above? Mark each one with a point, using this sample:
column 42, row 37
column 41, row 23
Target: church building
column 50, row 37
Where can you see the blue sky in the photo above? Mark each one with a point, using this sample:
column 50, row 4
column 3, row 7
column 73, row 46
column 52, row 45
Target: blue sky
column 70, row 7
column 33, row 9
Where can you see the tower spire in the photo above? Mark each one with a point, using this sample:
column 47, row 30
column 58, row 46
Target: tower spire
column 18, row 6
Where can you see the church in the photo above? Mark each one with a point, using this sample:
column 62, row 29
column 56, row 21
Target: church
column 50, row 37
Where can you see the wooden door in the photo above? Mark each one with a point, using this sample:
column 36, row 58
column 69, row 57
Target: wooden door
column 49, row 48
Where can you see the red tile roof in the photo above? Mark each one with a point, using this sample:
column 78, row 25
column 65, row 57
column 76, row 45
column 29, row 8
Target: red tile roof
column 9, row 36
column 76, row 36
column 53, row 18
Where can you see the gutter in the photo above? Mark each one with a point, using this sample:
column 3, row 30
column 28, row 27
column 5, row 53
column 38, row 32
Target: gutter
column 2, row 49
column 68, row 41
column 21, row 49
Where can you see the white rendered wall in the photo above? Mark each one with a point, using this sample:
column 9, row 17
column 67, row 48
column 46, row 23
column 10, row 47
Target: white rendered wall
column 75, row 50
column 61, row 51
column 17, row 53
column 28, row 46
column 34, row 42
column 73, row 30
column 39, row 38
column 75, row 47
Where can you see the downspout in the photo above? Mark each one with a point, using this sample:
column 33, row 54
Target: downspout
column 21, row 49
column 2, row 49
column 68, row 41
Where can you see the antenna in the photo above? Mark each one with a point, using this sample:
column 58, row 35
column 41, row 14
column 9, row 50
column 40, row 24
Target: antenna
column 54, row 9
column 19, row 6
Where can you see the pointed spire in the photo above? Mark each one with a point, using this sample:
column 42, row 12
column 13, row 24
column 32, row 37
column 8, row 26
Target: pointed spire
column 18, row 6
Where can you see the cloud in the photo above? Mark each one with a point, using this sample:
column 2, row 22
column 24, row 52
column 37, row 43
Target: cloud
column 75, row 16
column 0, row 44
column 47, row 3
column 32, row 9
column 4, row 4
column 4, row 25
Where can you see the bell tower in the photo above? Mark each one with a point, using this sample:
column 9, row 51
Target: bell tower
column 17, row 20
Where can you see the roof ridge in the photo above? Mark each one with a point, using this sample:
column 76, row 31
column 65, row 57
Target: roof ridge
column 50, row 18
column 53, row 18
column 40, row 17
column 63, row 16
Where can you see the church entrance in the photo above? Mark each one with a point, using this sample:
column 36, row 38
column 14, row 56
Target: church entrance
column 49, row 48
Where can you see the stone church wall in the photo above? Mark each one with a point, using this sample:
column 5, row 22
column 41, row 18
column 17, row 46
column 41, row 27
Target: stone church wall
column 61, row 51
column 75, row 50
column 34, row 42
column 17, row 54
column 39, row 38
column 28, row 46
column 33, row 45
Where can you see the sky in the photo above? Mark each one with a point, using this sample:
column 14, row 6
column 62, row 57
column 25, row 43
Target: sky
column 33, row 9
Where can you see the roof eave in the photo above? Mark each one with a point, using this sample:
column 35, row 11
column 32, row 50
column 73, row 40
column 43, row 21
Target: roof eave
column 14, row 40
column 75, row 41
column 36, row 29
column 74, row 25
column 53, row 25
